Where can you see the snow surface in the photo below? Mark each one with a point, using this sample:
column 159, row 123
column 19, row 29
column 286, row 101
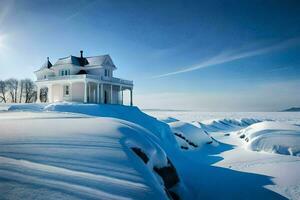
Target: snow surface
column 190, row 116
column 75, row 158
column 190, row 136
column 64, row 155
column 231, row 171
column 273, row 137
column 225, row 124
column 83, row 151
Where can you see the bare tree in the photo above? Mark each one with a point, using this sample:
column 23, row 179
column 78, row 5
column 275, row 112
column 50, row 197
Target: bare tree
column 3, row 90
column 12, row 85
column 30, row 93
column 44, row 94
column 22, row 86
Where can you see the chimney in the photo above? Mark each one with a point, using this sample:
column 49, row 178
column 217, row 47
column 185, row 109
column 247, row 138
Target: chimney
column 81, row 54
column 48, row 59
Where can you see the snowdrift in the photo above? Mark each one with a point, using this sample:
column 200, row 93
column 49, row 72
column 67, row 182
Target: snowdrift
column 26, row 107
column 225, row 124
column 127, row 113
column 83, row 157
column 168, row 119
column 190, row 136
column 273, row 137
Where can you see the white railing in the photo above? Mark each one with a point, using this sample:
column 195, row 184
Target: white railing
column 117, row 80
column 53, row 78
column 83, row 76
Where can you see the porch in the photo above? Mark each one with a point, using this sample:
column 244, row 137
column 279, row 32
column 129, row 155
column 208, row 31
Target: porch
column 81, row 88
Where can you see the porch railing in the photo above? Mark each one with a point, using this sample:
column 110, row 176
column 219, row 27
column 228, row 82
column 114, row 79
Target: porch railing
column 83, row 76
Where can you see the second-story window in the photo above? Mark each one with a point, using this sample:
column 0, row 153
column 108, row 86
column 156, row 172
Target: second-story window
column 65, row 72
column 107, row 72
column 66, row 90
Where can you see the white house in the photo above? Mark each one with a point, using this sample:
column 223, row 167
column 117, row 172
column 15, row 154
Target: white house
column 82, row 79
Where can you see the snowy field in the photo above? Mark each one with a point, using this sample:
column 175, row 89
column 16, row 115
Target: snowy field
column 263, row 157
column 86, row 151
column 291, row 117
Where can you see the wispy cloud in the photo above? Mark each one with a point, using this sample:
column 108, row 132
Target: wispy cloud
column 80, row 10
column 229, row 56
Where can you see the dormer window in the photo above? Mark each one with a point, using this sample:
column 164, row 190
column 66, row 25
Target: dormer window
column 65, row 72
column 106, row 72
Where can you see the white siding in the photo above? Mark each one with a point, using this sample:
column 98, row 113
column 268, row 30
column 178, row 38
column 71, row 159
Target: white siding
column 78, row 92
column 57, row 93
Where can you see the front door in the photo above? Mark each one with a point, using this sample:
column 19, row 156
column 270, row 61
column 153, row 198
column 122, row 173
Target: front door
column 105, row 97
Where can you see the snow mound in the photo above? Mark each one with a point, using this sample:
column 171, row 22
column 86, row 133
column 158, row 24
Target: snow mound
column 273, row 137
column 77, row 158
column 190, row 136
column 225, row 124
column 26, row 107
column 168, row 119
column 128, row 113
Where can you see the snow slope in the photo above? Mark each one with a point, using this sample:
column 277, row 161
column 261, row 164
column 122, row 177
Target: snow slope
column 131, row 114
column 190, row 136
column 82, row 151
column 230, row 171
column 225, row 124
column 85, row 151
column 191, row 116
column 273, row 137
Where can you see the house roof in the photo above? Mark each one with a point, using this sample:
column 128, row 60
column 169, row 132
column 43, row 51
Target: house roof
column 86, row 61
column 72, row 60
column 81, row 61
column 46, row 65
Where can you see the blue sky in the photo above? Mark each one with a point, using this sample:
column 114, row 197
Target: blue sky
column 203, row 55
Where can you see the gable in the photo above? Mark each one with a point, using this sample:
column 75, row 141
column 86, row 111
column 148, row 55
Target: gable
column 103, row 60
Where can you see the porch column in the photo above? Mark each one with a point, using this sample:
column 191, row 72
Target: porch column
column 101, row 96
column 131, row 100
column 85, row 92
column 111, row 95
column 98, row 95
column 89, row 93
column 121, row 90
column 49, row 93
column 38, row 100
column 122, row 97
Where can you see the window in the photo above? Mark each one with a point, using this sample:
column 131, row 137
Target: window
column 45, row 76
column 66, row 90
column 65, row 72
column 107, row 72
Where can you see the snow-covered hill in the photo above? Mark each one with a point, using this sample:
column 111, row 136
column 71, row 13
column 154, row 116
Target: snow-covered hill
column 273, row 137
column 87, row 151
column 107, row 152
